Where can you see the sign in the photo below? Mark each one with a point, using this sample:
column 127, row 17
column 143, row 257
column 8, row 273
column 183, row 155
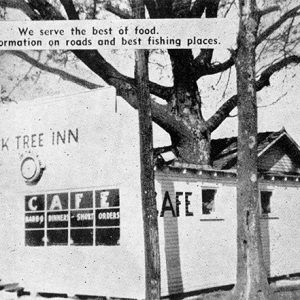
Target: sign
column 91, row 217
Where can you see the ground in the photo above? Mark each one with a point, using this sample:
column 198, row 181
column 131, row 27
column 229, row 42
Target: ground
column 285, row 289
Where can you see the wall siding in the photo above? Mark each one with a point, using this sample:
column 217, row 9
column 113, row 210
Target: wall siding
column 276, row 159
column 199, row 252
column 193, row 247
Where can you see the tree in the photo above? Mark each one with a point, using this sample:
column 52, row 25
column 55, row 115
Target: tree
column 251, row 274
column 151, row 237
column 182, row 114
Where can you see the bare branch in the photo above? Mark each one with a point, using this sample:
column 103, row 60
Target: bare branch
column 229, row 8
column 45, row 9
column 22, row 6
column 20, row 80
column 123, row 14
column 64, row 75
column 96, row 62
column 287, row 37
column 274, row 102
column 290, row 14
column 223, row 112
column 268, row 10
column 211, row 11
column 70, row 9
column 264, row 79
column 160, row 113
column 210, row 69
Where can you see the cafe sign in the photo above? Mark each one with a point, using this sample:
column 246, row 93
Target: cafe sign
column 75, row 218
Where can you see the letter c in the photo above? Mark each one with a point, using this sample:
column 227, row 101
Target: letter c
column 30, row 203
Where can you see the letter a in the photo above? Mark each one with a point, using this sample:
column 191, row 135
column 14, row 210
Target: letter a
column 56, row 203
column 165, row 207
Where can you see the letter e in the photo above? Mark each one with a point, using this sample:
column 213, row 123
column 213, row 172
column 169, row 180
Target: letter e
column 78, row 199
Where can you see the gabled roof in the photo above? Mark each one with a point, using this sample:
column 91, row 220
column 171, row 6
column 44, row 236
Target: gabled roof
column 224, row 151
column 275, row 148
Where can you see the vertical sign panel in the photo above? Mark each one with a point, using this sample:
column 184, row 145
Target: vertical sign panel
column 34, row 220
column 82, row 218
column 107, row 216
column 57, row 219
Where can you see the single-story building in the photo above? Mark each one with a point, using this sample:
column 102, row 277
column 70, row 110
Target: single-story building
column 71, row 212
column 198, row 213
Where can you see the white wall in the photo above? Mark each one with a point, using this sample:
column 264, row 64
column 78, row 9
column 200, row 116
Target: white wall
column 199, row 251
column 105, row 156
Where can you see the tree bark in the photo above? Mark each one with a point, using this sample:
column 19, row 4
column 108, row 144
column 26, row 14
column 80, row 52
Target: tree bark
column 251, row 276
column 149, row 207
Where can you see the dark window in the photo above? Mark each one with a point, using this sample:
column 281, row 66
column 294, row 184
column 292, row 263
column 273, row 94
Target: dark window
column 34, row 237
column 265, row 197
column 57, row 237
column 208, row 201
column 108, row 236
column 82, row 237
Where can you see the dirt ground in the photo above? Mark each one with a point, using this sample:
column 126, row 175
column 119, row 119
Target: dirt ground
column 288, row 289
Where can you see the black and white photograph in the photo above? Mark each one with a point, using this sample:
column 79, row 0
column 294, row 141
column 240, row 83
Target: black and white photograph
column 149, row 149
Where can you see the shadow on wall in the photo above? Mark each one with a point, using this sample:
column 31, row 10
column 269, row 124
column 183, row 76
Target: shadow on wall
column 172, row 249
column 265, row 210
column 265, row 237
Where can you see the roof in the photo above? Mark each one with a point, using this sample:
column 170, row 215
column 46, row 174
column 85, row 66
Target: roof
column 224, row 152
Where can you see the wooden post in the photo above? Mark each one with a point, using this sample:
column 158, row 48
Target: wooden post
column 151, row 238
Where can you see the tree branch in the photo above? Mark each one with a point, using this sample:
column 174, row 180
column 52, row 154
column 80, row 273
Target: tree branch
column 210, row 69
column 70, row 9
column 45, row 9
column 117, row 11
column 211, row 7
column 268, row 10
column 22, row 6
column 264, row 79
column 64, row 75
column 223, row 112
column 290, row 14
column 94, row 60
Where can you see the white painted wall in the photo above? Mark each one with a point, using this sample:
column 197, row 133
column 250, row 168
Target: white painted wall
column 199, row 252
column 106, row 156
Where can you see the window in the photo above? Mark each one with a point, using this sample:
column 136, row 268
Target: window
column 208, row 201
column 265, row 197
column 81, row 218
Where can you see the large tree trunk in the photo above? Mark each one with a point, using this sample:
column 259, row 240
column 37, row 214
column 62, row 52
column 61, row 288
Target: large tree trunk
column 186, row 106
column 251, row 274
column 195, row 148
